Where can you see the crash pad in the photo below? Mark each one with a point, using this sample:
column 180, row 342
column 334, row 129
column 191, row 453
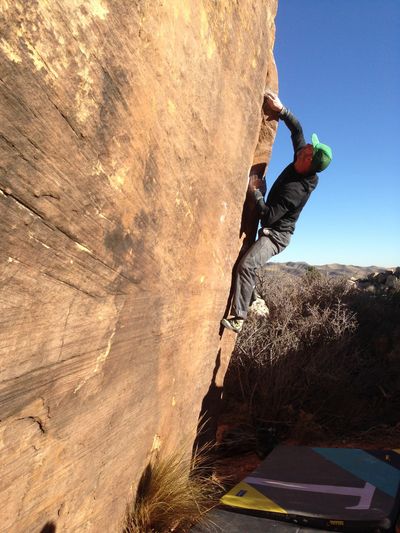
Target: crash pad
column 221, row 521
column 339, row 489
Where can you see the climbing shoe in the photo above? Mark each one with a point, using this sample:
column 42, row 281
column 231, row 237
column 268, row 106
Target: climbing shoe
column 234, row 324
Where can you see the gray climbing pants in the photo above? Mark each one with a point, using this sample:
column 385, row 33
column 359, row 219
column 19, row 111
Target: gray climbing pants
column 269, row 244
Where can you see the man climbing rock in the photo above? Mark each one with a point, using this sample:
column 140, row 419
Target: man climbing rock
column 278, row 215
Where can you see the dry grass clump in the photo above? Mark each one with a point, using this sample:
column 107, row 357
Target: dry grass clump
column 175, row 492
column 325, row 362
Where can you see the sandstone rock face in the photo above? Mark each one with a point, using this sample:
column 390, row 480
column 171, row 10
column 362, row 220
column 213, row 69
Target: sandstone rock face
column 127, row 131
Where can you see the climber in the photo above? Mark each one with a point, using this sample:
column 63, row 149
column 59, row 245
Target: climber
column 278, row 215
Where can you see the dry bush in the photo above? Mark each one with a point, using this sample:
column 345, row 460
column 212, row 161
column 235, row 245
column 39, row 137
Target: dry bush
column 325, row 361
column 175, row 492
column 303, row 311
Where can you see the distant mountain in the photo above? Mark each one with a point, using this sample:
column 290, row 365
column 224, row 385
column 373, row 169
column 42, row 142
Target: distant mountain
column 334, row 269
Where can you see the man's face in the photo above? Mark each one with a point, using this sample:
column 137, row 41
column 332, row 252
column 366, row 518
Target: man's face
column 304, row 159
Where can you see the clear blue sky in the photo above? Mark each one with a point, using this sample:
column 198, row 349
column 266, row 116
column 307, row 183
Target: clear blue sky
column 339, row 72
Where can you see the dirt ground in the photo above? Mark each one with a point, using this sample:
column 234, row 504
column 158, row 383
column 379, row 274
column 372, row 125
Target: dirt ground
column 232, row 468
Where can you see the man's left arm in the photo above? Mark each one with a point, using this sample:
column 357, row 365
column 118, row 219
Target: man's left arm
column 271, row 213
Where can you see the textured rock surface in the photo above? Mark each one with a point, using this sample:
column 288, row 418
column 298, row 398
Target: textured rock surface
column 127, row 130
column 387, row 281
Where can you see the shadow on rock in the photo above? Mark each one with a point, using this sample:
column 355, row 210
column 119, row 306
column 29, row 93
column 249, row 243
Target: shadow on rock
column 212, row 402
column 49, row 527
column 209, row 412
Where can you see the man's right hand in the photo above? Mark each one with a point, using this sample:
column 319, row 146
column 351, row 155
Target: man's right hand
column 273, row 101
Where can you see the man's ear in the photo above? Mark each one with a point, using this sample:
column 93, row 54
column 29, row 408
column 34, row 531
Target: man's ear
column 313, row 167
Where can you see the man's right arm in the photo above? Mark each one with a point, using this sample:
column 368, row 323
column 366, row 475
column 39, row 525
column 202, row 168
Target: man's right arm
column 295, row 128
column 289, row 119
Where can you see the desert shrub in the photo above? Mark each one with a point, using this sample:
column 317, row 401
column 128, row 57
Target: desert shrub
column 174, row 492
column 303, row 312
column 325, row 361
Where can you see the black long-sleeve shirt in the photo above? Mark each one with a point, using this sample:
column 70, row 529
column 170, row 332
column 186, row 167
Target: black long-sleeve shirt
column 291, row 190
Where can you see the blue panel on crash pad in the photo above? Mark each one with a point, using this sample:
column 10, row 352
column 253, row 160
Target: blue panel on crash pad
column 365, row 466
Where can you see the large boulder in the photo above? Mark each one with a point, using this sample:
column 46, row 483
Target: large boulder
column 127, row 133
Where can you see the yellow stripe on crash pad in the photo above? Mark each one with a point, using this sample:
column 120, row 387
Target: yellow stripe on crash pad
column 397, row 450
column 246, row 497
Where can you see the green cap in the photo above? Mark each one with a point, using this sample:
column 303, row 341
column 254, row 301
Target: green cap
column 322, row 154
